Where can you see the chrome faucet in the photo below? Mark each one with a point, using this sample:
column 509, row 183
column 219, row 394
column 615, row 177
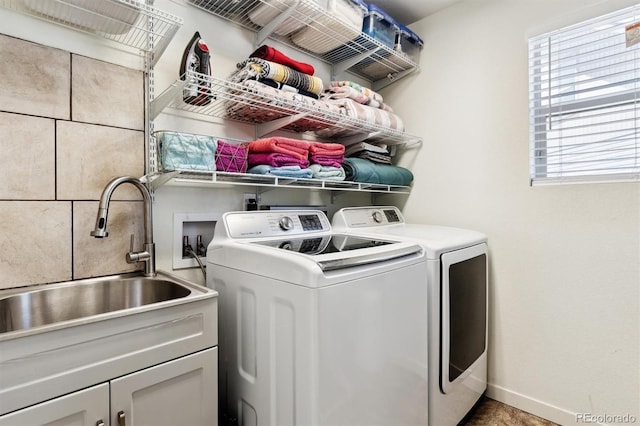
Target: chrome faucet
column 148, row 255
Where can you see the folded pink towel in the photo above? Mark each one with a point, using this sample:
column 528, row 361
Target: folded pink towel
column 276, row 159
column 325, row 148
column 293, row 147
column 327, row 160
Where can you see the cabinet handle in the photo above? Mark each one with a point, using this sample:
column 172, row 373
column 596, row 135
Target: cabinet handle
column 121, row 420
column 100, row 423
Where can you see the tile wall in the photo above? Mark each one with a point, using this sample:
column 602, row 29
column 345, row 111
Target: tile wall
column 68, row 125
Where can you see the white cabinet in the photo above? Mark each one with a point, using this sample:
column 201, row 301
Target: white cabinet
column 88, row 407
column 179, row 392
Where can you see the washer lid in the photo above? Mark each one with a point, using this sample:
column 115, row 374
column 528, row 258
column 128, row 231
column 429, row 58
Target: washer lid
column 338, row 251
column 388, row 222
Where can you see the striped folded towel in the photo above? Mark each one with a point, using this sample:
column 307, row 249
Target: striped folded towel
column 256, row 68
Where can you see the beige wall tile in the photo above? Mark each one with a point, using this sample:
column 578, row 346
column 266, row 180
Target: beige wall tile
column 35, row 79
column 104, row 93
column 106, row 256
column 28, row 158
column 35, row 242
column 89, row 156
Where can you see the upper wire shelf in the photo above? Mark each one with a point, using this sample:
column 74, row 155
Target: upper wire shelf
column 306, row 26
column 129, row 22
column 245, row 103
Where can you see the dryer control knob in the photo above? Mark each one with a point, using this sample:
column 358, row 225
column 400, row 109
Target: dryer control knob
column 286, row 223
column 377, row 216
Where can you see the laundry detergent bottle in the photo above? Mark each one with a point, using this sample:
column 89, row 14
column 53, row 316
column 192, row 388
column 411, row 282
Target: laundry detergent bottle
column 195, row 69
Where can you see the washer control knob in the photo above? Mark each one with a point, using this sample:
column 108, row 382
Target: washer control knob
column 286, row 223
column 377, row 216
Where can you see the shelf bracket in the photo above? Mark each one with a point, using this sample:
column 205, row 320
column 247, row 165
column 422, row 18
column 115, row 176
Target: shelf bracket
column 391, row 78
column 156, row 180
column 340, row 67
column 266, row 31
column 271, row 126
column 162, row 45
column 162, row 101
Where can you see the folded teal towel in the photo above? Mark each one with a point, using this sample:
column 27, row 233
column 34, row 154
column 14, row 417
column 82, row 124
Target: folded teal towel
column 327, row 172
column 187, row 152
column 282, row 171
column 362, row 170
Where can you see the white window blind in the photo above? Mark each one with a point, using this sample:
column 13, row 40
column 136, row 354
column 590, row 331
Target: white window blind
column 584, row 108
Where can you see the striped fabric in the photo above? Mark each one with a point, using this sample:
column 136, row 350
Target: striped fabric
column 256, row 68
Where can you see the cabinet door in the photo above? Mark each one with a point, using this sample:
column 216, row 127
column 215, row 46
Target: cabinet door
column 179, row 392
column 89, row 407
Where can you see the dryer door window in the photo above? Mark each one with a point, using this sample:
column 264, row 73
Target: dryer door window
column 464, row 313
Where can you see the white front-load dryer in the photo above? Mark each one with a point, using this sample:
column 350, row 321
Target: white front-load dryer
column 315, row 327
column 457, row 283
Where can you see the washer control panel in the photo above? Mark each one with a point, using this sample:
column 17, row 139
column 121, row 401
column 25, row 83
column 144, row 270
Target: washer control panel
column 357, row 217
column 268, row 223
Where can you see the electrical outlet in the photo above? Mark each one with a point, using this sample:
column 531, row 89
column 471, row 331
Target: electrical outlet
column 250, row 202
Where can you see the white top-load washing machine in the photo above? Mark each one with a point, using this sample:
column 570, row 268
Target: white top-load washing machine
column 458, row 301
column 317, row 328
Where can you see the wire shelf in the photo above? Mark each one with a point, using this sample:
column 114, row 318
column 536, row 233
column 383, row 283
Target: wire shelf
column 128, row 22
column 306, row 26
column 224, row 179
column 244, row 103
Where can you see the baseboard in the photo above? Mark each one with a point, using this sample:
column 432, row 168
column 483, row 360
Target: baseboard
column 530, row 405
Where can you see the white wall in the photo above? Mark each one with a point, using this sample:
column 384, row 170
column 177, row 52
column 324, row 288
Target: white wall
column 565, row 260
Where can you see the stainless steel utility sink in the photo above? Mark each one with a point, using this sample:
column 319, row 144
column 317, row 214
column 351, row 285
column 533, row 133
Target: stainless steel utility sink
column 57, row 303
column 58, row 338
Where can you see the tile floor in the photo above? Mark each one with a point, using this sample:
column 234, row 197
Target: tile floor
column 489, row 412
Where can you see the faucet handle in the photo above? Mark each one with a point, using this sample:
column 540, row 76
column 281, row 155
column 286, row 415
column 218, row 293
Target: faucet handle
column 133, row 257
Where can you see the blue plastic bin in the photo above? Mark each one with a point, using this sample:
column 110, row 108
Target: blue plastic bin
column 408, row 43
column 379, row 25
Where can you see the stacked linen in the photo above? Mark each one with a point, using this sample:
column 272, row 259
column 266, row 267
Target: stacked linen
column 282, row 171
column 272, row 67
column 326, row 154
column 360, row 103
column 279, row 156
column 360, row 94
column 288, row 157
column 362, row 170
column 353, row 110
column 319, row 171
column 375, row 153
column 271, row 85
column 274, row 55
column 326, row 160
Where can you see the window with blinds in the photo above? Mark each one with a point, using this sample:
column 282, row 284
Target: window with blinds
column 583, row 104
